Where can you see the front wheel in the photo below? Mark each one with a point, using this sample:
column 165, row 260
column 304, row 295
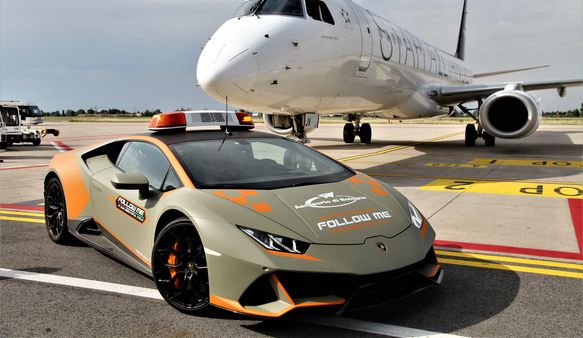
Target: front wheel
column 36, row 141
column 179, row 267
column 56, row 212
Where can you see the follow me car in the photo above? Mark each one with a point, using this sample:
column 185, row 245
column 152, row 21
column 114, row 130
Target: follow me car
column 245, row 221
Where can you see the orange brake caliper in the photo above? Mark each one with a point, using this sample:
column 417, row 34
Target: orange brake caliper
column 173, row 260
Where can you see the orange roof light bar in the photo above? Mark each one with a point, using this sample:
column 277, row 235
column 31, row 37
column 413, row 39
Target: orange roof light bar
column 166, row 121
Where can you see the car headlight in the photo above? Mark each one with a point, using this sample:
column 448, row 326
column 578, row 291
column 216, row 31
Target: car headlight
column 276, row 242
column 416, row 217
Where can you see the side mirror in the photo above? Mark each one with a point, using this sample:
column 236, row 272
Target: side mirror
column 132, row 181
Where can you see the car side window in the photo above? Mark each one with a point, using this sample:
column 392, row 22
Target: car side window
column 144, row 158
column 171, row 182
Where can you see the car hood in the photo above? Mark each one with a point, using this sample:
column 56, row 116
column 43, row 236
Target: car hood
column 346, row 212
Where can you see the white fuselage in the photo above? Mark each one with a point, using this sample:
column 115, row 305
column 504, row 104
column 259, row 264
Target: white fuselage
column 278, row 64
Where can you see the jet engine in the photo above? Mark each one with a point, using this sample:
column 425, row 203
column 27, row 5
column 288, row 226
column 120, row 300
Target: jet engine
column 297, row 125
column 279, row 124
column 510, row 114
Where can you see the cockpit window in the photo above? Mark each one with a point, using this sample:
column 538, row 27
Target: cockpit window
column 247, row 8
column 318, row 10
column 270, row 7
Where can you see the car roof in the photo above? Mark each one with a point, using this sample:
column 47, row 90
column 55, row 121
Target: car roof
column 205, row 135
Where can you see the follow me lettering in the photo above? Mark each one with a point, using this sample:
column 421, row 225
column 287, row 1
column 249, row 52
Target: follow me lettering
column 353, row 220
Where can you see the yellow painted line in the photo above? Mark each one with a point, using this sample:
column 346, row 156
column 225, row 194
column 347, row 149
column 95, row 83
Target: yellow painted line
column 510, row 259
column 21, row 213
column 469, row 178
column 390, row 150
column 568, row 191
column 28, row 220
column 528, row 163
column 515, row 268
column 457, row 165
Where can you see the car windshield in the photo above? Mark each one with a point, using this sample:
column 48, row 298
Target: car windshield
column 277, row 7
column 256, row 163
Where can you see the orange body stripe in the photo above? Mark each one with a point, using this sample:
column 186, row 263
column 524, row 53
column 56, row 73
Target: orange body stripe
column 76, row 192
column 170, row 156
column 262, row 207
column 296, row 256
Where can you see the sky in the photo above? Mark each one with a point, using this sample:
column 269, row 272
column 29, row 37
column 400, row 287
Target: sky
column 142, row 54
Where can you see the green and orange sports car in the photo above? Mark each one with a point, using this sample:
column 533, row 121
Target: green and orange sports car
column 245, row 221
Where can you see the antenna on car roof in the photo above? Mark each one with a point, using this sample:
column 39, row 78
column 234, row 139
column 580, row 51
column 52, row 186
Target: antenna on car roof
column 227, row 132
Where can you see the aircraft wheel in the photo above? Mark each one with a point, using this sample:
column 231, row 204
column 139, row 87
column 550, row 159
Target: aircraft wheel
column 179, row 267
column 489, row 140
column 365, row 133
column 56, row 212
column 348, row 133
column 471, row 135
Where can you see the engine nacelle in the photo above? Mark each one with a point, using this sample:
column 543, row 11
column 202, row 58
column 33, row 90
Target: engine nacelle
column 510, row 114
column 284, row 124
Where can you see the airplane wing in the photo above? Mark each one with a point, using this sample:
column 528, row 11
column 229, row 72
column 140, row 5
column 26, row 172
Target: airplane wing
column 450, row 95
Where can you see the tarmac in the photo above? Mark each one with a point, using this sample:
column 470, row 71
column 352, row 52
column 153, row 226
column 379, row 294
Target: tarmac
column 509, row 235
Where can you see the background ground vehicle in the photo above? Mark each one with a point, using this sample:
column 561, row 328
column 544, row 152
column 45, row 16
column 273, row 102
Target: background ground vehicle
column 20, row 117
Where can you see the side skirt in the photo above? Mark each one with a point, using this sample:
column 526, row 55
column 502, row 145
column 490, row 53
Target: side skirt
column 90, row 233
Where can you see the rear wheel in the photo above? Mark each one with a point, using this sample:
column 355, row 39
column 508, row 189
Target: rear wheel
column 179, row 267
column 348, row 133
column 365, row 133
column 56, row 212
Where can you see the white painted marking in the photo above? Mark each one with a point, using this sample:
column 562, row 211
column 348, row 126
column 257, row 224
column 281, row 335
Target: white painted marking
column 342, row 323
column 375, row 328
column 81, row 283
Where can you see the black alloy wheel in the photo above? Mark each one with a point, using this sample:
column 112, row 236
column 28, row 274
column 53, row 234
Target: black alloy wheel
column 179, row 267
column 56, row 212
column 348, row 133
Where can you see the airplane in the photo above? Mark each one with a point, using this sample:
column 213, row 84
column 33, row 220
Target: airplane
column 295, row 59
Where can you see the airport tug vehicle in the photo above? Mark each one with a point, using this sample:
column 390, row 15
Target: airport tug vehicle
column 20, row 119
column 245, row 221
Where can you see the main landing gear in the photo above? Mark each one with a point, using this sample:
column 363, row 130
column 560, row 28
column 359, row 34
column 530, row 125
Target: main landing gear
column 473, row 133
column 354, row 128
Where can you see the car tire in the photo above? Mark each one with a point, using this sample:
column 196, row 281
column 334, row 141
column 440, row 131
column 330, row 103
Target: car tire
column 179, row 267
column 36, row 141
column 365, row 133
column 348, row 133
column 56, row 212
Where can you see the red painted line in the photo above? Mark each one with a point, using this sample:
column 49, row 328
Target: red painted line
column 509, row 249
column 25, row 167
column 61, row 146
column 576, row 206
column 22, row 207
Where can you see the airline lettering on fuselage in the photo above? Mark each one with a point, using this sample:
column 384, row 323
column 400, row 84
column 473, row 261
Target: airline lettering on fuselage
column 400, row 46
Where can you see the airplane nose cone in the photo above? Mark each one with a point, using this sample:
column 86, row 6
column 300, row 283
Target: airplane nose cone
column 224, row 74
